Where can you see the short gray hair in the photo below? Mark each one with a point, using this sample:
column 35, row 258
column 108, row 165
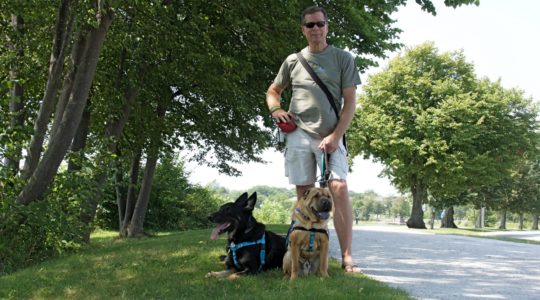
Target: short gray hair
column 311, row 10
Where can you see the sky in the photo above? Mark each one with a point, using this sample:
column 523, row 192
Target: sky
column 499, row 37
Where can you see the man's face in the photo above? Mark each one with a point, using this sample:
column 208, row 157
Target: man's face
column 315, row 34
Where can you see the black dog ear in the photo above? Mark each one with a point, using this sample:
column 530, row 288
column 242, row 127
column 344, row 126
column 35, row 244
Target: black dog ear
column 243, row 198
column 250, row 205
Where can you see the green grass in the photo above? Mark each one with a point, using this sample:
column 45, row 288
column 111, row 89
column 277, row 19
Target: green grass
column 173, row 266
column 475, row 232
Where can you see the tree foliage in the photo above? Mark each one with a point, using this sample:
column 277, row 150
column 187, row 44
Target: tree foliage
column 436, row 127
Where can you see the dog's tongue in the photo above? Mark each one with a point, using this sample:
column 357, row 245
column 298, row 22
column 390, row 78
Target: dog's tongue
column 324, row 215
column 217, row 230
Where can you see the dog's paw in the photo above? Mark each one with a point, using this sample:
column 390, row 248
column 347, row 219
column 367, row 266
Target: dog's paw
column 221, row 274
column 233, row 276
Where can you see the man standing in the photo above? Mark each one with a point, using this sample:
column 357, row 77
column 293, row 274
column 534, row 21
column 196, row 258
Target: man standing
column 319, row 130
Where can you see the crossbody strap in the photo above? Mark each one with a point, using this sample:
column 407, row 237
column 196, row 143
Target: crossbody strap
column 319, row 82
column 322, row 86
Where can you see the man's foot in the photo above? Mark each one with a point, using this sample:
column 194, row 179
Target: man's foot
column 351, row 267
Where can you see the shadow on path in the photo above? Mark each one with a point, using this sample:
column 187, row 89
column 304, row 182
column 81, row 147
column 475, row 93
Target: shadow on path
column 430, row 266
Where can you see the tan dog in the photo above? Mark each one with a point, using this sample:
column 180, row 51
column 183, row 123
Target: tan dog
column 307, row 251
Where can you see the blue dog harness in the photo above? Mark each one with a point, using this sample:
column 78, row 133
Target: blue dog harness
column 234, row 247
column 312, row 232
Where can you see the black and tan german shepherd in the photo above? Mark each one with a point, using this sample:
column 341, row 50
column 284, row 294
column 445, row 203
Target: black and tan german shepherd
column 250, row 248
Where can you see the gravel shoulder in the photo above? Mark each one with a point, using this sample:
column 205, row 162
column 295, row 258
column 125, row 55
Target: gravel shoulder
column 430, row 266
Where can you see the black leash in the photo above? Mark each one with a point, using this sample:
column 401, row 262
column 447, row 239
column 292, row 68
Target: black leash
column 325, row 170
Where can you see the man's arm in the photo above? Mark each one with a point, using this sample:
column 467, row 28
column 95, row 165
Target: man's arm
column 331, row 142
column 273, row 101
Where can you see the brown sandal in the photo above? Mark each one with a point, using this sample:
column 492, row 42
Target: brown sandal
column 351, row 268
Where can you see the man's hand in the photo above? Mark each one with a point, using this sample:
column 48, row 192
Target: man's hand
column 329, row 143
column 281, row 115
column 273, row 97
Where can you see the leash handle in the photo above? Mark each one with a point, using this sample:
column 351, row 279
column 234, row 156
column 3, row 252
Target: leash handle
column 325, row 172
column 323, row 164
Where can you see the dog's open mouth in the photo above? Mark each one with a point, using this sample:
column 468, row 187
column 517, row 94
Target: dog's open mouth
column 219, row 230
column 323, row 215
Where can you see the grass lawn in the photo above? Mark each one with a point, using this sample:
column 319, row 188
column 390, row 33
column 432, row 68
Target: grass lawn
column 475, row 232
column 172, row 265
column 463, row 231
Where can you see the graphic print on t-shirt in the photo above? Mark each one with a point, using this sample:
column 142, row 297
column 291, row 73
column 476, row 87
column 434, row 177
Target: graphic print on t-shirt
column 319, row 70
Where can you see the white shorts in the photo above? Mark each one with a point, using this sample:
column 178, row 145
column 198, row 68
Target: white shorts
column 303, row 159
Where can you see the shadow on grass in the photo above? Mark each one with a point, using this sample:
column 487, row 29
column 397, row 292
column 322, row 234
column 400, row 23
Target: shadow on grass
column 173, row 266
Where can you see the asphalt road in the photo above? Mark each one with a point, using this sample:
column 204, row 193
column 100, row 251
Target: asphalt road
column 430, row 266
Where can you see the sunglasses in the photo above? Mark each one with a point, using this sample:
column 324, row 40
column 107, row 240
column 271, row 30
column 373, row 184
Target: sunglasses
column 319, row 24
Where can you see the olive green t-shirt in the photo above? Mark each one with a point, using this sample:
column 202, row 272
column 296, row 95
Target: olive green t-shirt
column 336, row 68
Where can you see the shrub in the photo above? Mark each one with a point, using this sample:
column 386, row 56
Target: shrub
column 43, row 229
column 174, row 204
column 273, row 211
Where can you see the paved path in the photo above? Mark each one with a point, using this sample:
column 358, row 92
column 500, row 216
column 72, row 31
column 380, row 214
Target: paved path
column 430, row 266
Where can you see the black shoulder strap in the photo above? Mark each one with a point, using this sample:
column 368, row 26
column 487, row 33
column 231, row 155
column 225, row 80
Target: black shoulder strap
column 322, row 86
column 318, row 81
column 311, row 229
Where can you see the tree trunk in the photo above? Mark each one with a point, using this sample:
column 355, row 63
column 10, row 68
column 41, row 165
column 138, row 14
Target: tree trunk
column 67, row 86
column 131, row 197
column 448, row 219
column 90, row 203
column 121, row 192
column 60, row 142
column 432, row 221
column 521, row 219
column 113, row 131
column 417, row 214
column 135, row 227
column 79, row 141
column 481, row 219
column 63, row 31
column 120, row 188
column 16, row 102
column 534, row 225
column 502, row 224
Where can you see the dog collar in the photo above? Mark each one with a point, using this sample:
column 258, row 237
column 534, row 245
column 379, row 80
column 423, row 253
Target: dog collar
column 308, row 218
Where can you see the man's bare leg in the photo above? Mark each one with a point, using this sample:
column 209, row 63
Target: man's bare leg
column 301, row 189
column 343, row 222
